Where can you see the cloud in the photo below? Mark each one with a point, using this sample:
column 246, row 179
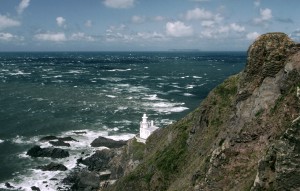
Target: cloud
column 159, row 18
column 22, row 6
column 178, row 29
column 88, row 23
column 138, row 19
column 257, row 3
column 61, row 21
column 221, row 31
column 55, row 37
column 252, row 35
column 81, row 37
column 9, row 37
column 6, row 22
column 237, row 28
column 119, row 4
column 295, row 35
column 265, row 16
column 199, row 14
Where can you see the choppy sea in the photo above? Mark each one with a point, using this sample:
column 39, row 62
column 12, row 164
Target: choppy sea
column 100, row 93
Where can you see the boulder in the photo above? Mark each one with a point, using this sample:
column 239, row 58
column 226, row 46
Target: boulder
column 104, row 142
column 48, row 138
column 99, row 160
column 37, row 151
column 53, row 167
column 59, row 143
column 67, row 139
column 84, row 180
column 35, row 188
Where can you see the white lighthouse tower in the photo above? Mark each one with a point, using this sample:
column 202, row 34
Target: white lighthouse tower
column 146, row 129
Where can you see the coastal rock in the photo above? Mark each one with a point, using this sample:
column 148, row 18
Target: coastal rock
column 34, row 188
column 266, row 56
column 53, row 167
column 280, row 167
column 37, row 151
column 84, row 180
column 67, row 139
column 59, row 143
column 99, row 160
column 48, row 138
column 104, row 142
column 8, row 185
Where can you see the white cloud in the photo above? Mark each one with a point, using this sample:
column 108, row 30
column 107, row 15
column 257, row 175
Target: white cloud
column 138, row 19
column 257, row 3
column 22, row 6
column 178, row 29
column 55, row 37
column 9, row 37
column 61, row 21
column 151, row 36
column 6, row 22
column 159, row 18
column 88, row 23
column 252, row 35
column 265, row 15
column 237, row 28
column 119, row 4
column 199, row 14
column 81, row 36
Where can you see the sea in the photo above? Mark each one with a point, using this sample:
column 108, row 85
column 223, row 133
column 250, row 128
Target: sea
column 98, row 94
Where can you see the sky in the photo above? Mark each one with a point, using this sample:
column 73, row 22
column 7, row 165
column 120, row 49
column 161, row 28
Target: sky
column 143, row 25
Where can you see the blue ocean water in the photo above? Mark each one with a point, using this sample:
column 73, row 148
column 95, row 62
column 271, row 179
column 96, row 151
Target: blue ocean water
column 100, row 93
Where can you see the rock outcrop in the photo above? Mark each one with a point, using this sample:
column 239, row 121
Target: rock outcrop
column 37, row 151
column 243, row 136
column 104, row 142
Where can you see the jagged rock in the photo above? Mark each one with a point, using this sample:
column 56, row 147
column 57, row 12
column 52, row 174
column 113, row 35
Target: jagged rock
column 59, row 143
column 99, row 160
column 266, row 56
column 84, row 180
column 48, row 138
column 53, row 167
column 280, row 168
column 37, row 151
column 104, row 142
column 67, row 139
column 34, row 188
column 8, row 185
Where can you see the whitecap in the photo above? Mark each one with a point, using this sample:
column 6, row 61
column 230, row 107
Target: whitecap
column 188, row 94
column 1, row 141
column 190, row 86
column 197, row 77
column 111, row 96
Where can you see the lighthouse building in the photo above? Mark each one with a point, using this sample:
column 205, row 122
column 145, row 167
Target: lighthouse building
column 146, row 129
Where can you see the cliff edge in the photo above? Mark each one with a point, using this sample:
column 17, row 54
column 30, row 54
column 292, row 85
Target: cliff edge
column 244, row 136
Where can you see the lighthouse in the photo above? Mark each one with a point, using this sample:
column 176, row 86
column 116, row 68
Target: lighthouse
column 146, row 129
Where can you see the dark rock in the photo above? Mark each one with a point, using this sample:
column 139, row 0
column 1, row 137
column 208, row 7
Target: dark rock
column 83, row 180
column 79, row 132
column 48, row 138
column 104, row 142
column 37, row 151
column 59, row 143
column 35, row 188
column 99, row 160
column 54, row 179
column 8, row 185
column 53, row 167
column 67, row 139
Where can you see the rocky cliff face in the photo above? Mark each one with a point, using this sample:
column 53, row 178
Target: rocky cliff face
column 243, row 136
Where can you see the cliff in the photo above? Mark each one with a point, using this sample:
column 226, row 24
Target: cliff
column 244, row 136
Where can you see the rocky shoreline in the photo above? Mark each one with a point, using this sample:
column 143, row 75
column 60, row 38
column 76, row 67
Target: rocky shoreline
column 91, row 171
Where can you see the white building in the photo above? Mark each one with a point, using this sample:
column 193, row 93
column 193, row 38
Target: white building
column 146, row 129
